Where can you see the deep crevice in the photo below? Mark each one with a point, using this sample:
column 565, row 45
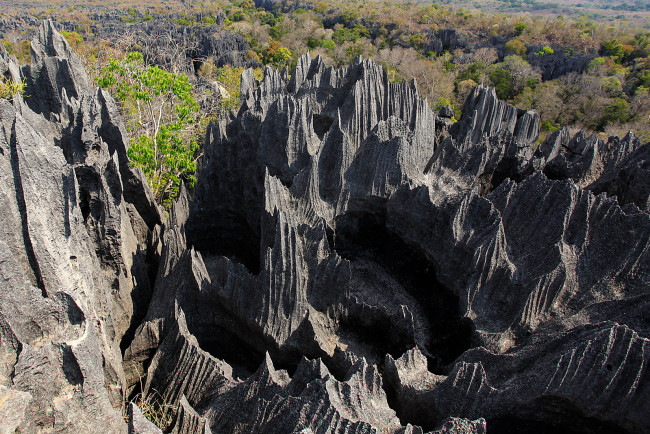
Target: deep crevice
column 228, row 235
column 364, row 235
column 227, row 346
column 321, row 124
column 140, row 295
column 507, row 168
column 559, row 416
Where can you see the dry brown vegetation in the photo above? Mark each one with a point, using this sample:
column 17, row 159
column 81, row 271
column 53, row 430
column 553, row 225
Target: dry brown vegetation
column 610, row 95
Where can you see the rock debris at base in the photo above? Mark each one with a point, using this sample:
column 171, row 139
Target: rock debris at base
column 343, row 265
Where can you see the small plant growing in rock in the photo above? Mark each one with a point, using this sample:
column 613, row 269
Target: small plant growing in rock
column 156, row 409
column 153, row 406
column 8, row 88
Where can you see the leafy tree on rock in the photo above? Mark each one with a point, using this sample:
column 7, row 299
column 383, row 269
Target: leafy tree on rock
column 161, row 113
column 516, row 46
column 277, row 55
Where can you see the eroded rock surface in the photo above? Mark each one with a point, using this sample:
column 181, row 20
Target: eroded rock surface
column 481, row 276
column 76, row 225
column 336, row 269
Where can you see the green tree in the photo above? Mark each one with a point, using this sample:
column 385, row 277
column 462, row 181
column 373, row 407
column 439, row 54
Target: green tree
column 502, row 81
column 20, row 49
column 520, row 28
column 616, row 111
column 516, row 46
column 161, row 113
column 277, row 55
column 229, row 78
column 521, row 72
column 73, row 38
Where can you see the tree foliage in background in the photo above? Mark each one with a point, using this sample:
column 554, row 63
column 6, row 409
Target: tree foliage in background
column 161, row 113
column 516, row 46
column 20, row 49
column 277, row 55
column 227, row 78
column 609, row 97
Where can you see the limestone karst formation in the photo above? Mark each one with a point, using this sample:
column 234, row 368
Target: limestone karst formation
column 348, row 262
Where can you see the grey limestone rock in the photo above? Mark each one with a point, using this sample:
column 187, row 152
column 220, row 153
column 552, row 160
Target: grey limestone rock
column 138, row 424
column 343, row 232
column 73, row 247
column 563, row 61
column 336, row 268
column 188, row 421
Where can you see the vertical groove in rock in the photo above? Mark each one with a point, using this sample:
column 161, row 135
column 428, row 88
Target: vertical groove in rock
column 35, row 275
column 336, row 269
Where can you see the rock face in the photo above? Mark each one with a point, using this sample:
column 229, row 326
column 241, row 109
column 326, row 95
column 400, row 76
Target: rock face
column 76, row 225
column 330, row 239
column 335, row 270
column 562, row 62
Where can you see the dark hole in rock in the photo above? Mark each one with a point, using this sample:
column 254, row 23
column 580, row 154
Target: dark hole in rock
column 227, row 346
column 84, row 204
column 558, row 415
column 287, row 361
column 556, row 169
column 508, row 168
column 89, row 185
column 321, row 124
column 372, row 334
column 196, row 62
column 227, row 234
column 609, row 367
column 364, row 235
column 71, row 368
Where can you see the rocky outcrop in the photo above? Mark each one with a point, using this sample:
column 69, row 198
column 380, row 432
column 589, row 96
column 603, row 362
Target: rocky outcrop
column 330, row 238
column 562, row 62
column 76, row 227
column 175, row 47
column 618, row 167
column 443, row 39
column 336, row 269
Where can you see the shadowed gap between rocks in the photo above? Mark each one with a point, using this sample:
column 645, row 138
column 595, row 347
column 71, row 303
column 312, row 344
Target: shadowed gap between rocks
column 567, row 418
column 321, row 124
column 227, row 346
column 363, row 235
column 141, row 295
column 507, row 168
column 225, row 234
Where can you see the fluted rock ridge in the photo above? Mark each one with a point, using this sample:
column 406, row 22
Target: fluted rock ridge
column 76, row 226
column 336, row 269
column 327, row 223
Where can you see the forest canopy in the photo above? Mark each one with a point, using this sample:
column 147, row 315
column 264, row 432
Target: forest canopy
column 573, row 69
